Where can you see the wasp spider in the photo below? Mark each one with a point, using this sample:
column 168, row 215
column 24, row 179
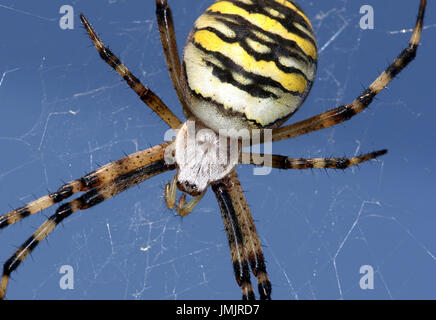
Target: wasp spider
column 247, row 64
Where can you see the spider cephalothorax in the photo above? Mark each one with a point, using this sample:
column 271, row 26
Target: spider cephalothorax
column 202, row 157
column 248, row 65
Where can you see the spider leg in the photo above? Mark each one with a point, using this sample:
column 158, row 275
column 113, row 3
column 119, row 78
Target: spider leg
column 346, row 112
column 243, row 238
column 144, row 93
column 86, row 201
column 169, row 45
column 283, row 162
column 103, row 175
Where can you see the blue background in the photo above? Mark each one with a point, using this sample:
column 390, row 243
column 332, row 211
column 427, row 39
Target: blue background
column 63, row 112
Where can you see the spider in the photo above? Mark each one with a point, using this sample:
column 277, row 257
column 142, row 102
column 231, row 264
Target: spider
column 248, row 65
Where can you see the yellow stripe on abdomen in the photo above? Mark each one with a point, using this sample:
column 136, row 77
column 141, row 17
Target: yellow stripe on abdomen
column 266, row 23
column 211, row 42
column 294, row 8
column 249, row 64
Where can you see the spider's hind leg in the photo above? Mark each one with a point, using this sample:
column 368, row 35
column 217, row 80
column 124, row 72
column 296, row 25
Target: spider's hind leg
column 169, row 45
column 344, row 113
column 144, row 93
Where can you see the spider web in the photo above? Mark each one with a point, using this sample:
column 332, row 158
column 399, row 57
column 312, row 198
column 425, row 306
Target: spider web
column 63, row 112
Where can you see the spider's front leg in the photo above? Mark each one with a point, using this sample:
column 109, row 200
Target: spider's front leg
column 102, row 175
column 245, row 246
column 109, row 180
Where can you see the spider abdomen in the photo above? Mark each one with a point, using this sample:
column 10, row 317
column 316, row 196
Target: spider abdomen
column 249, row 63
